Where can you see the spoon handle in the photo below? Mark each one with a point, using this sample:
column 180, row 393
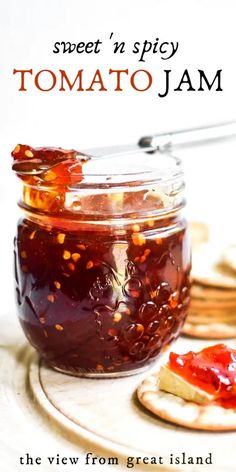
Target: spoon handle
column 169, row 141
column 189, row 137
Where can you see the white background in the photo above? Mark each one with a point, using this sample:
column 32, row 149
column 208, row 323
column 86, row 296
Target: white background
column 205, row 30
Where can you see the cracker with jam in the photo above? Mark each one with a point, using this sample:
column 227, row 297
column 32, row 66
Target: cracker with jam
column 195, row 390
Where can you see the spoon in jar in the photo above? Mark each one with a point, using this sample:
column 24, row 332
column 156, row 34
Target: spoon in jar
column 42, row 161
column 165, row 142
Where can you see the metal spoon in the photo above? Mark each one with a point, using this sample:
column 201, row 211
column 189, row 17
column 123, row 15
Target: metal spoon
column 158, row 142
column 170, row 140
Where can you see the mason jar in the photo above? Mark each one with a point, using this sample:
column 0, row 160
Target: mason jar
column 102, row 258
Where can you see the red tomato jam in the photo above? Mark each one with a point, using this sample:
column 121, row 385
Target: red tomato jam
column 213, row 370
column 96, row 297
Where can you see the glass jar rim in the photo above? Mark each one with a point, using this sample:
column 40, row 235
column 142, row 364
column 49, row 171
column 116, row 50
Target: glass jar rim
column 141, row 169
column 121, row 178
column 141, row 183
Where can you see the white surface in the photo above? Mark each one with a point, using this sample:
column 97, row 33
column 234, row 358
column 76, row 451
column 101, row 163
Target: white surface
column 28, row 29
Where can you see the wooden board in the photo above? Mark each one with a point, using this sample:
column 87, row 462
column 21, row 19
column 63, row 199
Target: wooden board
column 45, row 413
column 107, row 412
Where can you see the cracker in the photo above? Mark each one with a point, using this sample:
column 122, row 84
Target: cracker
column 220, row 310
column 229, row 258
column 211, row 276
column 210, row 293
column 196, row 319
column 199, row 232
column 209, row 331
column 212, row 312
column 207, row 270
column 176, row 410
column 218, row 305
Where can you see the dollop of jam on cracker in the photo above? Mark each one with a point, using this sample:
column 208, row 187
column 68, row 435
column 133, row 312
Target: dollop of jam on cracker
column 212, row 370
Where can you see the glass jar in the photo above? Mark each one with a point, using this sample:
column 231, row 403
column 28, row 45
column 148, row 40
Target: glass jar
column 102, row 262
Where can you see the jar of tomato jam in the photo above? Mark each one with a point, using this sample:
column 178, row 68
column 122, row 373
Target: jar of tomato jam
column 102, row 258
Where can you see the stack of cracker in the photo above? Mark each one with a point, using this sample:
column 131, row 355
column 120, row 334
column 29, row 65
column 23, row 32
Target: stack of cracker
column 212, row 311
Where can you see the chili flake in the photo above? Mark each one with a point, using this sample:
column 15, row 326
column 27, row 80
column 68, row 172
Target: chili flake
column 28, row 153
column 66, row 254
column 89, row 265
column 75, row 256
column 117, row 317
column 138, row 239
column 59, row 327
column 57, row 284
column 61, row 238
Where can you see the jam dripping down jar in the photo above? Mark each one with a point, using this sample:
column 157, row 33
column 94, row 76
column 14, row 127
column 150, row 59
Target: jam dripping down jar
column 102, row 258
